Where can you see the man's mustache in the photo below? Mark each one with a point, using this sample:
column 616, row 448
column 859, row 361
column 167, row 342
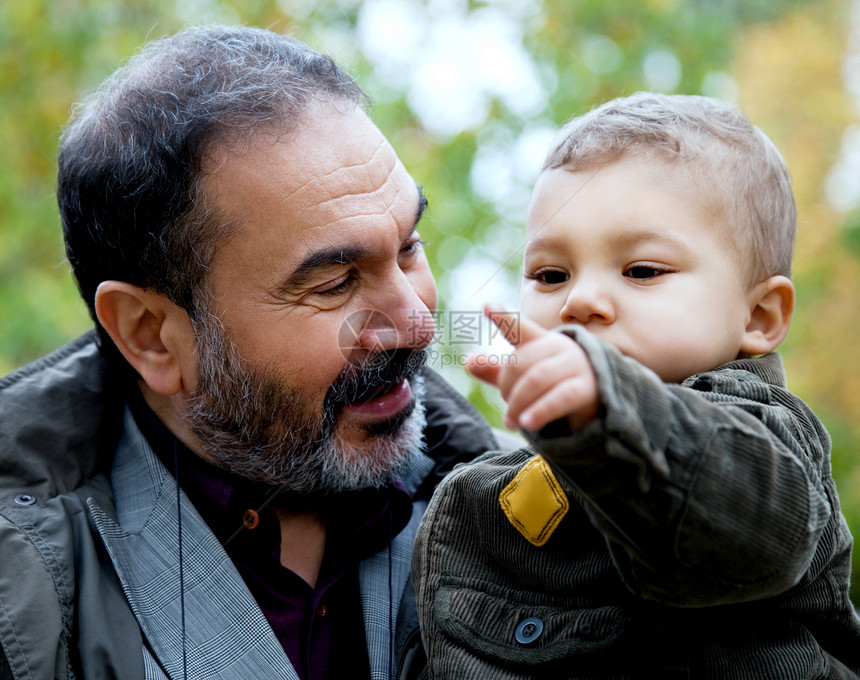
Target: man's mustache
column 374, row 376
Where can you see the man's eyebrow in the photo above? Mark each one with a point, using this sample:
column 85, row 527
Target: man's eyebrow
column 320, row 260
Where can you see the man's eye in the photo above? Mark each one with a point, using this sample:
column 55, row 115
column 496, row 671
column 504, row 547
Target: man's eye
column 341, row 285
column 643, row 271
column 413, row 247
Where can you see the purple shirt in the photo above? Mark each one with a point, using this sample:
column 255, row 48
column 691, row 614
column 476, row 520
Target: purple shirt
column 320, row 628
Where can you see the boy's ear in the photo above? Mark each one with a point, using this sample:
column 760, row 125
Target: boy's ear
column 152, row 333
column 771, row 307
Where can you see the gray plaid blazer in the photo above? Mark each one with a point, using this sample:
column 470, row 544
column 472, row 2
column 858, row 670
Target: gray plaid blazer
column 225, row 633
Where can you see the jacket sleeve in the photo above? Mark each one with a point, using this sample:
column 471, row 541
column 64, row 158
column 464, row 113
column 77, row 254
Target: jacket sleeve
column 707, row 493
column 33, row 632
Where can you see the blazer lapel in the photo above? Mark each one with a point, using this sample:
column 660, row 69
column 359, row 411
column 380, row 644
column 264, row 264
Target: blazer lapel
column 197, row 615
column 384, row 577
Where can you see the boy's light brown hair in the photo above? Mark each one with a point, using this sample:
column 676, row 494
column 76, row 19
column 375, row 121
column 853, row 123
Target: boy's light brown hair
column 733, row 161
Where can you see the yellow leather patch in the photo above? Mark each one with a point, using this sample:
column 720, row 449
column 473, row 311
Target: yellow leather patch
column 534, row 501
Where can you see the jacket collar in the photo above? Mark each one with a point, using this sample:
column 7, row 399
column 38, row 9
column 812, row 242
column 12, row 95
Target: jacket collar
column 455, row 432
column 60, row 416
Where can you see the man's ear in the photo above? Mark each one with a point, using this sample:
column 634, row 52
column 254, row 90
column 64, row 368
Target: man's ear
column 152, row 333
column 771, row 306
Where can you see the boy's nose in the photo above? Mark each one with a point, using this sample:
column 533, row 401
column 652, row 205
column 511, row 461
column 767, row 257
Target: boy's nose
column 586, row 303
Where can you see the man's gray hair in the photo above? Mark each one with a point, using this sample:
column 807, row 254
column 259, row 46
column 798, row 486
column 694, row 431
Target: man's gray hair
column 133, row 156
column 738, row 166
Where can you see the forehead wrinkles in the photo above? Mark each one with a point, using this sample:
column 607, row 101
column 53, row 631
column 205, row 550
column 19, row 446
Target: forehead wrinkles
column 335, row 172
column 356, row 191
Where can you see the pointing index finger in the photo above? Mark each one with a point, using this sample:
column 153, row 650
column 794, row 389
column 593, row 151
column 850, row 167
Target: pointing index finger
column 515, row 329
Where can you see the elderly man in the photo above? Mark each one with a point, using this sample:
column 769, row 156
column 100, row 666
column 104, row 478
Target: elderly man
column 225, row 479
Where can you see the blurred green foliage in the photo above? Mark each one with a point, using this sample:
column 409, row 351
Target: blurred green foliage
column 52, row 52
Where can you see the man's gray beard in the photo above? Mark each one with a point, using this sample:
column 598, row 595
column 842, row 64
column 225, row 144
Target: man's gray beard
column 254, row 425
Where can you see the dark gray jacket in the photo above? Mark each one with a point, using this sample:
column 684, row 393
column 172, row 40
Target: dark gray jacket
column 89, row 569
column 702, row 539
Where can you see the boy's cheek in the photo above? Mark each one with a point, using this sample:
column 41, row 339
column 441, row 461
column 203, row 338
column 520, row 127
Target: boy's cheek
column 543, row 312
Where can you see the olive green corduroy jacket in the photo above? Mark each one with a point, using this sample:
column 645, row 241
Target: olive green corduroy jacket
column 703, row 539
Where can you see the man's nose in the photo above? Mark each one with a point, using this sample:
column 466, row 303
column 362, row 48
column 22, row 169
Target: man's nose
column 400, row 319
column 588, row 301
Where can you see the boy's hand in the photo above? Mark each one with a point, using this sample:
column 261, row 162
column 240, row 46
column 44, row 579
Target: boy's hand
column 549, row 376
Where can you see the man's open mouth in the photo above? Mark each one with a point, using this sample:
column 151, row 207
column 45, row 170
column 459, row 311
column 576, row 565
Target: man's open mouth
column 384, row 401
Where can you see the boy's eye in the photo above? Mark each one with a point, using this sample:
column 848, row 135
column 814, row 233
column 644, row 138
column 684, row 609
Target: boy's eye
column 552, row 277
column 643, row 271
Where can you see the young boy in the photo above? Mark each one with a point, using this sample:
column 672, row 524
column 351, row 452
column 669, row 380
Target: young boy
column 680, row 520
